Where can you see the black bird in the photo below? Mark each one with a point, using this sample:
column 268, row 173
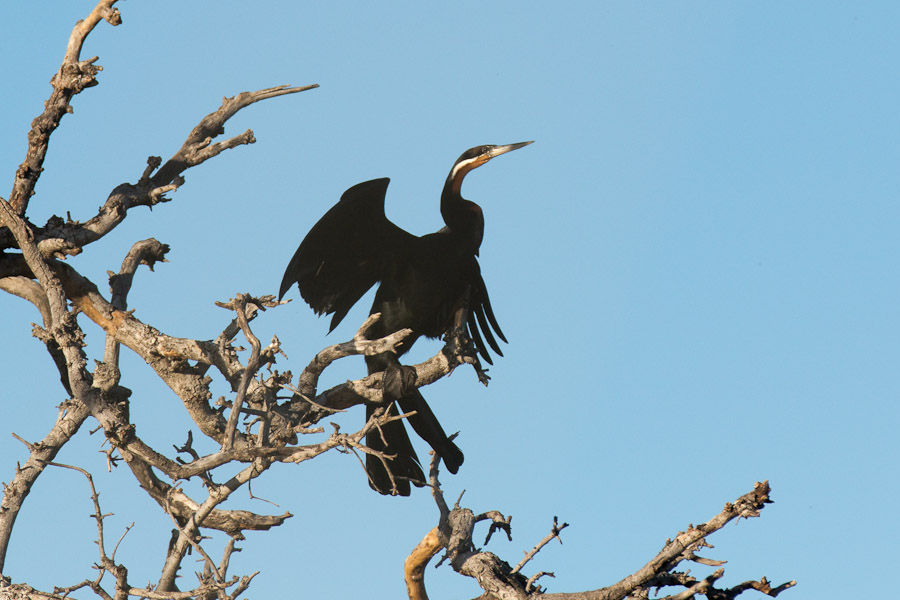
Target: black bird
column 431, row 284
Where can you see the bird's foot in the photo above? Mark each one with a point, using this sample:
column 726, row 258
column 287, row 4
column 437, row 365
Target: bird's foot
column 483, row 377
column 399, row 381
column 460, row 349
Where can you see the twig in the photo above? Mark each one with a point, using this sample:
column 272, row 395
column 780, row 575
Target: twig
column 498, row 522
column 658, row 571
column 529, row 585
column 238, row 304
column 72, row 415
column 217, row 495
column 194, row 544
column 554, row 533
column 106, row 563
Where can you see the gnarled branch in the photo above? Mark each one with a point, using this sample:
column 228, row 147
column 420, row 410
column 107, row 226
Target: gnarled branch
column 502, row 582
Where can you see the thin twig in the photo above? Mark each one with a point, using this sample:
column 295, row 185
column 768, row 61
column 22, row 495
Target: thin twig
column 238, row 304
column 554, row 533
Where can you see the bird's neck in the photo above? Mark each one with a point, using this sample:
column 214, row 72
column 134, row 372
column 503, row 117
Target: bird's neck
column 462, row 217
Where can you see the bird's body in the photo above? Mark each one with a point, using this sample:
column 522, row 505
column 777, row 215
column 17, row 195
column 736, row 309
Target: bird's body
column 426, row 283
column 424, row 290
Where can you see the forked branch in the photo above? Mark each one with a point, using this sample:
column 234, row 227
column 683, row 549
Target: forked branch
column 502, row 582
column 74, row 75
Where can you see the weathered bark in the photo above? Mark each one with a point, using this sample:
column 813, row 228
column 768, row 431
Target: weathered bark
column 502, row 582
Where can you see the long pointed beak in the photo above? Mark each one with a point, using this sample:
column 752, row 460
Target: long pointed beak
column 498, row 150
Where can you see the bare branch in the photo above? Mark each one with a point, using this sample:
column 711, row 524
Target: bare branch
column 369, row 389
column 500, row 581
column 239, row 304
column 105, row 564
column 217, row 495
column 197, row 147
column 73, row 76
column 146, row 252
column 359, row 345
column 654, row 573
column 21, row 591
column 196, row 546
column 22, row 286
column 498, row 522
column 554, row 533
column 436, row 492
column 414, row 566
column 27, row 289
column 72, row 415
column 231, row 522
column 104, row 11
column 59, row 238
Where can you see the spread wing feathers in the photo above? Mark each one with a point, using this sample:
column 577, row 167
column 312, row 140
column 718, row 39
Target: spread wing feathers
column 481, row 321
column 345, row 253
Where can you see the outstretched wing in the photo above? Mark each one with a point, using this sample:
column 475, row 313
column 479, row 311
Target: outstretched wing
column 345, row 253
column 481, row 320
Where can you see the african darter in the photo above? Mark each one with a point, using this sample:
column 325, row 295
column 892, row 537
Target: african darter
column 431, row 284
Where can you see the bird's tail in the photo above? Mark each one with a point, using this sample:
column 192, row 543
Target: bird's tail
column 429, row 429
column 392, row 439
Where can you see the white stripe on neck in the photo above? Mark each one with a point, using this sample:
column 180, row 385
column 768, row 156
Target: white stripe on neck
column 464, row 165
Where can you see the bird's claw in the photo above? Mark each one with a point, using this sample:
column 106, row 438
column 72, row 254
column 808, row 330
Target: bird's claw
column 460, row 349
column 483, row 377
column 399, row 381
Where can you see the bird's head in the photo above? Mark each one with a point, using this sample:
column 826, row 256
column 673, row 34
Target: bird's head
column 475, row 157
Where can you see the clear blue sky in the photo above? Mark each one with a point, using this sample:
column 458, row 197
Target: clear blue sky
column 696, row 265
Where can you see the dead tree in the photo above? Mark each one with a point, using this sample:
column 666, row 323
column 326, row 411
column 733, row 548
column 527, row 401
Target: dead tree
column 269, row 414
